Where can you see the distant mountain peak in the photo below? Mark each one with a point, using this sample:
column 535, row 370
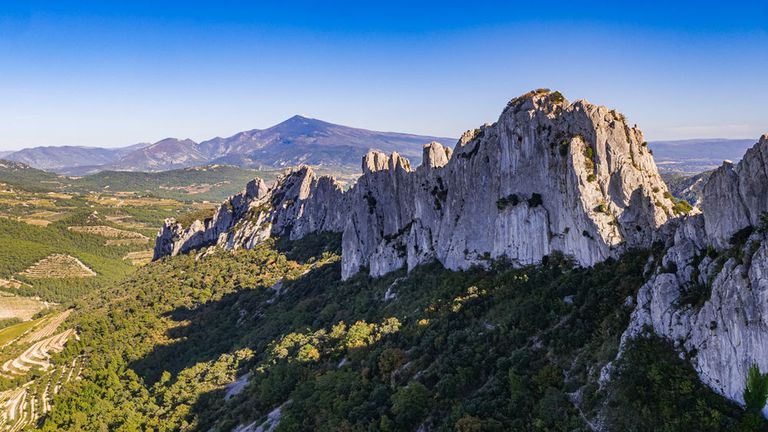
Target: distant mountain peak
column 296, row 140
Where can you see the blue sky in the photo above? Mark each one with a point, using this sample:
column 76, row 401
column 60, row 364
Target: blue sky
column 103, row 74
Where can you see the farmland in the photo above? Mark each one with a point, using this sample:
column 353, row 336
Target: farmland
column 66, row 239
column 28, row 361
column 58, row 247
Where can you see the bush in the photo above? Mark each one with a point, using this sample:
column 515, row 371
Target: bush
column 410, row 405
column 755, row 390
column 681, row 207
column 763, row 227
column 535, row 200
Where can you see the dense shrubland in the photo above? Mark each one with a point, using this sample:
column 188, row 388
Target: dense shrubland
column 496, row 349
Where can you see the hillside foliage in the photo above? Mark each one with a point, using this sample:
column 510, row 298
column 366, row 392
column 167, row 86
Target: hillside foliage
column 494, row 349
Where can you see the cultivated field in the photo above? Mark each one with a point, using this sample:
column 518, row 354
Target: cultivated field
column 11, row 283
column 107, row 231
column 58, row 266
column 139, row 258
column 36, row 356
column 46, row 327
column 23, row 308
column 23, row 406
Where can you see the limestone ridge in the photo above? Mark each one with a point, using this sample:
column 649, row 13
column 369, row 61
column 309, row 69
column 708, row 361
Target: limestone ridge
column 548, row 176
column 710, row 296
column 736, row 196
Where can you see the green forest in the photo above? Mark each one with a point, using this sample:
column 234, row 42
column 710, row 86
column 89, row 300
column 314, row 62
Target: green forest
column 480, row 350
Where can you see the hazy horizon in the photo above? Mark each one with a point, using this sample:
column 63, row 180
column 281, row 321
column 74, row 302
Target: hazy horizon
column 101, row 75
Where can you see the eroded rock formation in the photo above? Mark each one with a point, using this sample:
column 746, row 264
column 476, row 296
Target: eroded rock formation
column 548, row 176
column 710, row 295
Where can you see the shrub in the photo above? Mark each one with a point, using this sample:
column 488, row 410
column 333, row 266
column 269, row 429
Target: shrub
column 755, row 390
column 682, row 207
column 763, row 227
column 509, row 200
column 410, row 405
column 535, row 200
column 202, row 215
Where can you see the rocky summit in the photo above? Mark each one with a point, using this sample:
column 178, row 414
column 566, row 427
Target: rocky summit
column 549, row 176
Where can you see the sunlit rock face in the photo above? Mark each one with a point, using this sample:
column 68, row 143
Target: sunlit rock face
column 736, row 196
column 548, row 176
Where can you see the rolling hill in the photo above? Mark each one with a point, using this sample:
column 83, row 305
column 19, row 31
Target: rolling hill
column 298, row 140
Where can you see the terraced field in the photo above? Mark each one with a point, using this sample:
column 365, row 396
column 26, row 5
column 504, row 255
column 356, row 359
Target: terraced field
column 23, row 308
column 37, row 356
column 25, row 405
column 139, row 258
column 46, row 327
column 10, row 334
column 108, row 232
column 11, row 283
column 58, row 266
column 127, row 242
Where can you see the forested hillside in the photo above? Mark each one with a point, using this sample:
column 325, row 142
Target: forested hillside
column 497, row 349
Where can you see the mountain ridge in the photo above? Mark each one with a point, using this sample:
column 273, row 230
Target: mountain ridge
column 294, row 141
column 573, row 176
column 395, row 217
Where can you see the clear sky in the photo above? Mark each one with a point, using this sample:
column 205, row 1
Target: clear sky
column 100, row 74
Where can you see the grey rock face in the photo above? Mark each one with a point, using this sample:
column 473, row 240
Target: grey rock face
column 736, row 196
column 547, row 176
column 728, row 332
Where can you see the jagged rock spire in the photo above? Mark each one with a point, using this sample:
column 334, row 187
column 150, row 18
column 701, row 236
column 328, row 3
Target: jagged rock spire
column 548, row 176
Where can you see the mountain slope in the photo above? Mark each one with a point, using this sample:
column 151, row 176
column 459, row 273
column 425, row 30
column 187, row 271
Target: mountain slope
column 709, row 296
column 304, row 140
column 298, row 140
column 265, row 333
column 24, row 176
column 208, row 182
column 167, row 154
column 59, row 158
column 496, row 350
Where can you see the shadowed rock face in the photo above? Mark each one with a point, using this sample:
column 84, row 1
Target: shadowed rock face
column 547, row 176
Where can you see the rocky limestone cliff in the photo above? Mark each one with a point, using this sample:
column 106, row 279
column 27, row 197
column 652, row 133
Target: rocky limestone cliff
column 736, row 196
column 710, row 294
column 548, row 176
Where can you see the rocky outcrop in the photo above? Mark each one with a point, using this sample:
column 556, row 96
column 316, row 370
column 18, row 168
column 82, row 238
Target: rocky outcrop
column 710, row 293
column 299, row 203
column 736, row 196
column 548, row 176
